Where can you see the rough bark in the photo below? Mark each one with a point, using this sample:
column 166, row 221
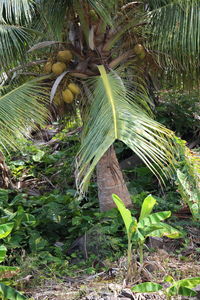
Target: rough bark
column 110, row 181
column 5, row 180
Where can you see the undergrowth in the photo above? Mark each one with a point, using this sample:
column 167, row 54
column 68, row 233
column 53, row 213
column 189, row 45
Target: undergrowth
column 57, row 234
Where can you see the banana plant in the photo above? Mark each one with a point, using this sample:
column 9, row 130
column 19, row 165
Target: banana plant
column 148, row 224
column 183, row 287
column 7, row 292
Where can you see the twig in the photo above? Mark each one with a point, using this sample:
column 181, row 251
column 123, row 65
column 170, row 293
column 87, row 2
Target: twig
column 30, row 64
column 49, row 181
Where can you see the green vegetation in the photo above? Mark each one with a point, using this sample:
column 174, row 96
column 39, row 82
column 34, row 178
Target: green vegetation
column 99, row 98
column 149, row 224
column 180, row 287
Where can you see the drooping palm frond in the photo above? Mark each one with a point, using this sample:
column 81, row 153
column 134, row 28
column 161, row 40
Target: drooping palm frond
column 15, row 30
column 13, row 42
column 175, row 29
column 17, row 11
column 115, row 116
column 21, row 108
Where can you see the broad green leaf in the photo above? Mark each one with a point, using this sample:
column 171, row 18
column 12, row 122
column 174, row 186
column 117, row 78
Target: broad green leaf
column 38, row 156
column 3, row 251
column 147, row 207
column 9, row 293
column 149, row 229
column 5, row 229
column 183, row 287
column 189, row 282
column 147, row 287
column 138, row 236
column 185, row 291
column 167, row 231
column 180, row 290
column 154, row 218
column 125, row 213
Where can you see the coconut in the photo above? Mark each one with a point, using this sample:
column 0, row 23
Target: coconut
column 138, row 49
column 68, row 97
column 58, row 68
column 64, row 56
column 74, row 88
column 57, row 99
column 48, row 67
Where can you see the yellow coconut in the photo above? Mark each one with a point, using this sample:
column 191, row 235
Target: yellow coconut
column 58, row 68
column 48, row 67
column 68, row 97
column 57, row 99
column 138, row 49
column 74, row 88
column 64, row 56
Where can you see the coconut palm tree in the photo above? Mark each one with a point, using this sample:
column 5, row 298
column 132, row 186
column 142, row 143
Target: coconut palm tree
column 119, row 49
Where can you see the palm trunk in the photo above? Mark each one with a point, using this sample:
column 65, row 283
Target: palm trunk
column 5, row 180
column 110, row 181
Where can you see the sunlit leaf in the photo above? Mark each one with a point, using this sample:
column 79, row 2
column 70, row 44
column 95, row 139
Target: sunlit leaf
column 5, row 229
column 154, row 218
column 9, row 293
column 147, row 207
column 147, row 287
column 125, row 213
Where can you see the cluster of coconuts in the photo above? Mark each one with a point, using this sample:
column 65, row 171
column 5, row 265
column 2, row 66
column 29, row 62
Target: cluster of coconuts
column 139, row 51
column 57, row 68
column 70, row 92
column 62, row 60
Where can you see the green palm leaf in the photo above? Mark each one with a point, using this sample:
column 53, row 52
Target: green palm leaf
column 21, row 108
column 16, row 11
column 13, row 41
column 14, row 36
column 54, row 12
column 175, row 29
column 114, row 115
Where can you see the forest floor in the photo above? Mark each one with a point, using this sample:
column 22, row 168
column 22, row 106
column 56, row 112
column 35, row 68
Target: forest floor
column 112, row 284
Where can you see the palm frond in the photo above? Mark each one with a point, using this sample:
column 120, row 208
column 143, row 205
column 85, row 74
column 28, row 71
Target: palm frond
column 104, row 9
column 13, row 42
column 18, row 11
column 53, row 15
column 21, row 108
column 175, row 29
column 55, row 12
column 114, row 115
column 154, row 4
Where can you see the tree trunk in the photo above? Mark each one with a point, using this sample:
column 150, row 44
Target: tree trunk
column 5, row 180
column 110, row 181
